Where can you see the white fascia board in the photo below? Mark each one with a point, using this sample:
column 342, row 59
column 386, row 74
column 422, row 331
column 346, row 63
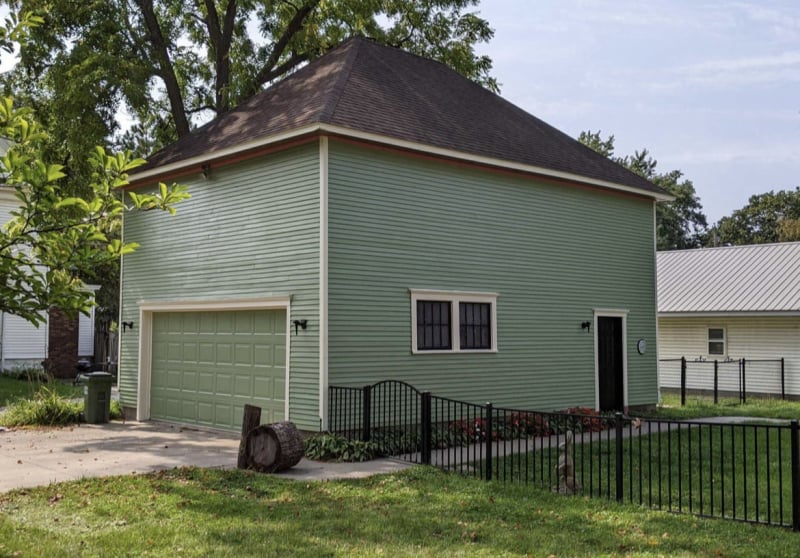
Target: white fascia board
column 223, row 153
column 393, row 142
column 749, row 314
column 490, row 161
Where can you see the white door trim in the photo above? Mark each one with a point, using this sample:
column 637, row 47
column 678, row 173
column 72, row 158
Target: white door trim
column 611, row 313
column 148, row 308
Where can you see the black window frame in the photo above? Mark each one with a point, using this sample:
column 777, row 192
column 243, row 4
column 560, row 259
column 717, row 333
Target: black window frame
column 475, row 325
column 434, row 325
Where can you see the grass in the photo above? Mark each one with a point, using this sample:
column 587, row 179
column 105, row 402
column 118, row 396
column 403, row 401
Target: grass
column 741, row 472
column 13, row 389
column 702, row 406
column 45, row 404
column 420, row 512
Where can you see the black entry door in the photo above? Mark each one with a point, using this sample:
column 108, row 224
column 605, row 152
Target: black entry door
column 609, row 363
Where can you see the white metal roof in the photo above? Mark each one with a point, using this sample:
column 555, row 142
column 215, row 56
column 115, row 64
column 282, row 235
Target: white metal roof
column 736, row 279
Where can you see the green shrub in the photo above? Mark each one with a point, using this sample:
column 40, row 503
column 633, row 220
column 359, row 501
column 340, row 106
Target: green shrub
column 46, row 408
column 116, row 411
column 330, row 447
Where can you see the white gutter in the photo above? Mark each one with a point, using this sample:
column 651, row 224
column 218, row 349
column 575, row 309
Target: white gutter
column 731, row 314
column 393, row 142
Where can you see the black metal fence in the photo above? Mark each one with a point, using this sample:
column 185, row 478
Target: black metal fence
column 746, row 472
column 729, row 376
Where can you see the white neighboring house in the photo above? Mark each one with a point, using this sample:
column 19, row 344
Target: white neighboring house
column 22, row 344
column 726, row 304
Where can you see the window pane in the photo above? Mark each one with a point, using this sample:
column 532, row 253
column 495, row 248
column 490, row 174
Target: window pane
column 475, row 325
column 433, row 325
column 716, row 348
column 716, row 334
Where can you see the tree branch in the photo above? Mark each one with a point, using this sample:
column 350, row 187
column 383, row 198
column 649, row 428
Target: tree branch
column 165, row 68
column 269, row 72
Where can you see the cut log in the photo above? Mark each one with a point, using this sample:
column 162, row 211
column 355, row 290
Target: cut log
column 251, row 419
column 274, row 447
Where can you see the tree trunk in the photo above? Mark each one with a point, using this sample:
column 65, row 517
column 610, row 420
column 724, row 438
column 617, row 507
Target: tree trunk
column 274, row 447
column 250, row 420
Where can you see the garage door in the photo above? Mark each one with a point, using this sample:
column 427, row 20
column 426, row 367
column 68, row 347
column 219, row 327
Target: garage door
column 208, row 365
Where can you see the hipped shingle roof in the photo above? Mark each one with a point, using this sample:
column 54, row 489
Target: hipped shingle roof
column 374, row 89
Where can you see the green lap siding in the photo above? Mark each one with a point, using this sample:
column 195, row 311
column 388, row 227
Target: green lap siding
column 553, row 253
column 251, row 230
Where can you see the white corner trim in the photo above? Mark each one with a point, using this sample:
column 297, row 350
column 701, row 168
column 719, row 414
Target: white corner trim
column 323, row 283
column 148, row 308
column 454, row 298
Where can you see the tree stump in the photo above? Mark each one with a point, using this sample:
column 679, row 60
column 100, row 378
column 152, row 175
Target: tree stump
column 250, row 420
column 274, row 447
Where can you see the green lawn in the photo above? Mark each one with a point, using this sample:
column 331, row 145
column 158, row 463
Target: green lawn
column 12, row 389
column 702, row 406
column 421, row 512
column 741, row 472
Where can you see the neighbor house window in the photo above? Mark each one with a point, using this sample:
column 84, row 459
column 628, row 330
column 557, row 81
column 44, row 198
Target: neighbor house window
column 453, row 321
column 716, row 341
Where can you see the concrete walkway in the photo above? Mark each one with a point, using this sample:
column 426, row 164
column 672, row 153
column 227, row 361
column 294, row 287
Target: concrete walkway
column 37, row 457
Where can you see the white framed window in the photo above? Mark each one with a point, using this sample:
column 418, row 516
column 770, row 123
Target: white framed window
column 453, row 322
column 716, row 341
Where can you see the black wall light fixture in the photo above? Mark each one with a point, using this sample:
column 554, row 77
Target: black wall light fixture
column 300, row 324
column 127, row 325
column 206, row 171
column 586, row 325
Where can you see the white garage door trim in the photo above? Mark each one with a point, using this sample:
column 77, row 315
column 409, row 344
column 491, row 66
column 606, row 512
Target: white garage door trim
column 148, row 308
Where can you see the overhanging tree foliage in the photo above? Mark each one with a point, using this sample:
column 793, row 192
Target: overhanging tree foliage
column 171, row 63
column 680, row 223
column 53, row 239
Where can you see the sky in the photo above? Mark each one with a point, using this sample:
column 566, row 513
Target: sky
column 708, row 87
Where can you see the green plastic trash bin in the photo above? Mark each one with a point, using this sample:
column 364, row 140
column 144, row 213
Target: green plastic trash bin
column 97, row 397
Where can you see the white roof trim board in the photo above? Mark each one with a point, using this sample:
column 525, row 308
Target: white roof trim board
column 761, row 278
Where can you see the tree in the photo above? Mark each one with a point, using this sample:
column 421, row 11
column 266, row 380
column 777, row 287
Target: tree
column 680, row 223
column 52, row 239
column 769, row 217
column 172, row 63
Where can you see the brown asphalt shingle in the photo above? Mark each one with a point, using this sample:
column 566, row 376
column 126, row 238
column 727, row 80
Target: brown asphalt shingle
column 366, row 87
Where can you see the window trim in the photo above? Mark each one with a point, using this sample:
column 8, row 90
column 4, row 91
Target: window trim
column 724, row 341
column 454, row 298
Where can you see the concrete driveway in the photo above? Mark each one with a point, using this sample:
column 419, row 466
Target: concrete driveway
column 37, row 457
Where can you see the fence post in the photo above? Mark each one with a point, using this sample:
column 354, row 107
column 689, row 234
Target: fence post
column 716, row 381
column 683, row 381
column 427, row 428
column 795, row 446
column 744, row 382
column 489, row 429
column 783, row 381
column 618, row 442
column 366, row 409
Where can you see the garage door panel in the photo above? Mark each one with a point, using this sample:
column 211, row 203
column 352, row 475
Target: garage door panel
column 206, row 353
column 224, row 353
column 244, row 354
column 189, row 381
column 208, row 365
column 205, row 382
